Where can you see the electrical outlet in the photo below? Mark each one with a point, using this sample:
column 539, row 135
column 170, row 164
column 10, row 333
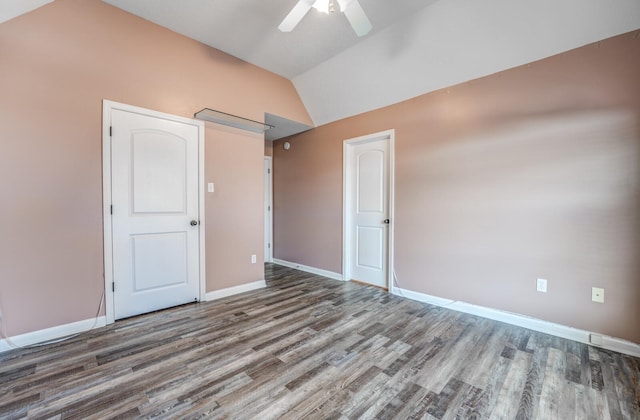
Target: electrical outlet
column 595, row 339
column 541, row 285
column 254, row 259
column 597, row 294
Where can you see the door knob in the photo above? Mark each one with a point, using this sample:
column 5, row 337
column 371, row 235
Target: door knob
column 385, row 221
column 194, row 223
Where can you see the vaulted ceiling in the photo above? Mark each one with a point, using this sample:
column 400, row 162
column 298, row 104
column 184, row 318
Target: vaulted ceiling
column 416, row 46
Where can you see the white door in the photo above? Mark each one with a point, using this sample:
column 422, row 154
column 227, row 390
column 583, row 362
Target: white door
column 268, row 219
column 154, row 187
column 368, row 210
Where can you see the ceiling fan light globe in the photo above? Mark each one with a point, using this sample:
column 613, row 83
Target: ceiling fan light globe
column 322, row 6
column 351, row 9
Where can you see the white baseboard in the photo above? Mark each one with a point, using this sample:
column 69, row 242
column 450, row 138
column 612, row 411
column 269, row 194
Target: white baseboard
column 563, row 331
column 61, row 331
column 308, row 269
column 230, row 291
column 52, row 333
column 583, row 336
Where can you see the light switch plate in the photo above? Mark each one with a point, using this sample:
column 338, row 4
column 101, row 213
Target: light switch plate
column 210, row 187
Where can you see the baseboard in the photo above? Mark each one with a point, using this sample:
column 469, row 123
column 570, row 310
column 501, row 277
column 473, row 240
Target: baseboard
column 583, row 336
column 60, row 331
column 53, row 333
column 230, row 291
column 558, row 330
column 308, row 269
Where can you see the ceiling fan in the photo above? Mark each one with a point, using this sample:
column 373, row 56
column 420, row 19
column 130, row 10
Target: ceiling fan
column 351, row 9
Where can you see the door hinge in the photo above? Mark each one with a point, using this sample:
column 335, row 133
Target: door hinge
column 269, row 246
column 110, row 131
column 111, row 209
column 113, row 286
column 268, row 208
column 268, row 171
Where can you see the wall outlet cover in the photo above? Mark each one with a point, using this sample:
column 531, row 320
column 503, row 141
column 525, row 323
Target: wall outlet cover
column 541, row 285
column 595, row 339
column 597, row 294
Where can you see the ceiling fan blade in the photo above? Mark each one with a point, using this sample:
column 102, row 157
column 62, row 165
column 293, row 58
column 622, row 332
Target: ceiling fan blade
column 295, row 15
column 357, row 18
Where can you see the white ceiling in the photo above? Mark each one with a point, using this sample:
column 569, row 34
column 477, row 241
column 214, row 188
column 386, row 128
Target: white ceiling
column 453, row 41
column 248, row 28
column 416, row 46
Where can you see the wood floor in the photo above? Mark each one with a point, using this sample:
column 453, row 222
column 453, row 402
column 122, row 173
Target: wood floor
column 310, row 347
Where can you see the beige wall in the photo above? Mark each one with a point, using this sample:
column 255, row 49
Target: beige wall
column 56, row 65
column 235, row 223
column 268, row 148
column 532, row 172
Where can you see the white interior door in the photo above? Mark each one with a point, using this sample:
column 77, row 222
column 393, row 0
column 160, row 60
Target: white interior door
column 268, row 211
column 155, row 224
column 369, row 211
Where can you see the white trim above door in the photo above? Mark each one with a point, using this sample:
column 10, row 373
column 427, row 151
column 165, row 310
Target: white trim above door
column 348, row 188
column 109, row 109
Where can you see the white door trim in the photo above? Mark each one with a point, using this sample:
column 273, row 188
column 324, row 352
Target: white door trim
column 347, row 175
column 107, row 108
column 269, row 199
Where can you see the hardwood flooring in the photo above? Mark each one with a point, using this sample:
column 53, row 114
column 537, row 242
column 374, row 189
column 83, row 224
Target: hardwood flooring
column 310, row 347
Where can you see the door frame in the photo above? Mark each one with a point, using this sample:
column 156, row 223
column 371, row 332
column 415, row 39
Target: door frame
column 269, row 198
column 107, row 108
column 347, row 205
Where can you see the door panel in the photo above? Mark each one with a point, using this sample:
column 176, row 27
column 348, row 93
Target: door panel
column 370, row 243
column 155, row 197
column 370, row 189
column 159, row 260
column 370, row 173
column 159, row 172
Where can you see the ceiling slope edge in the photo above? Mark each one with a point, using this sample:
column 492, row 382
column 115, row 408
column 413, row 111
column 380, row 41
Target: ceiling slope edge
column 283, row 127
column 451, row 42
column 13, row 8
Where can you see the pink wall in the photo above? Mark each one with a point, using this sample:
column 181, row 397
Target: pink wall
column 307, row 197
column 532, row 172
column 268, row 148
column 235, row 223
column 58, row 63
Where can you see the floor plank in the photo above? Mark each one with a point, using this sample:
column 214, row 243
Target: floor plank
column 311, row 347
